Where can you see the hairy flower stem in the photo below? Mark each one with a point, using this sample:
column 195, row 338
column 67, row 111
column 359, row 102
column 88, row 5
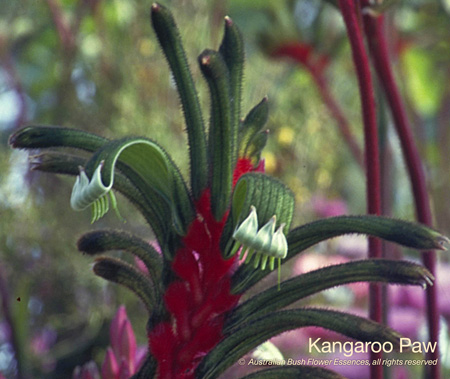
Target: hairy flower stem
column 374, row 29
column 351, row 13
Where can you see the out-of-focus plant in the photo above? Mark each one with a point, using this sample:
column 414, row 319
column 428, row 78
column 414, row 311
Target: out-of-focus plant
column 123, row 358
column 229, row 210
column 313, row 49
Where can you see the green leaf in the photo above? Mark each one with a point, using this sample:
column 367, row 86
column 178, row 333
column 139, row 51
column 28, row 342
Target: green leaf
column 222, row 134
column 299, row 239
column 269, row 196
column 101, row 241
column 290, row 291
column 303, row 372
column 141, row 158
column 38, row 136
column 252, row 125
column 170, row 41
column 256, row 146
column 252, row 334
column 118, row 271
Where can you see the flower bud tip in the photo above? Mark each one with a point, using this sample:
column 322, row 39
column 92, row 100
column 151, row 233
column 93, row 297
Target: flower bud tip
column 441, row 241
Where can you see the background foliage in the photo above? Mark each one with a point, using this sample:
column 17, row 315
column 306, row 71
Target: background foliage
column 95, row 65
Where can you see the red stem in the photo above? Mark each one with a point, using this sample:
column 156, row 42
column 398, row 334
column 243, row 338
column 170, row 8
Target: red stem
column 374, row 28
column 351, row 15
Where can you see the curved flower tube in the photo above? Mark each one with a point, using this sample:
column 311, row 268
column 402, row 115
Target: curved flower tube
column 93, row 193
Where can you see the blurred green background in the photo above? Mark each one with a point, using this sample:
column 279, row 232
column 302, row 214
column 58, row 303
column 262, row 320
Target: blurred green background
column 96, row 65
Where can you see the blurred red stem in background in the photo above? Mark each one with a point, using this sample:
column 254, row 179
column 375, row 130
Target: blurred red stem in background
column 374, row 30
column 351, row 16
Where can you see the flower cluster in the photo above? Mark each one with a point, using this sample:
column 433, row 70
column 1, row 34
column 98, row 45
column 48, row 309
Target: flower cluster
column 199, row 299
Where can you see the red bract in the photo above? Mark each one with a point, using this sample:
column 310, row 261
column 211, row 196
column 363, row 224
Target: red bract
column 302, row 53
column 122, row 358
column 109, row 366
column 198, row 300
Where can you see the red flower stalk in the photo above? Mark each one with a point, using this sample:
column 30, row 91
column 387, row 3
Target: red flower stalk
column 374, row 30
column 198, row 301
column 351, row 15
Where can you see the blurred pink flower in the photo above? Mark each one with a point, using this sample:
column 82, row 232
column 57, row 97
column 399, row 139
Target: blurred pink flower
column 140, row 263
column 313, row 261
column 407, row 297
column 324, row 207
column 352, row 246
column 406, row 321
column 123, row 358
column 443, row 283
column 43, row 341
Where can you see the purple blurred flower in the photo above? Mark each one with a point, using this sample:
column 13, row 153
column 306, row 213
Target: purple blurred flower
column 43, row 341
column 87, row 371
column 443, row 281
column 406, row 320
column 407, row 297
